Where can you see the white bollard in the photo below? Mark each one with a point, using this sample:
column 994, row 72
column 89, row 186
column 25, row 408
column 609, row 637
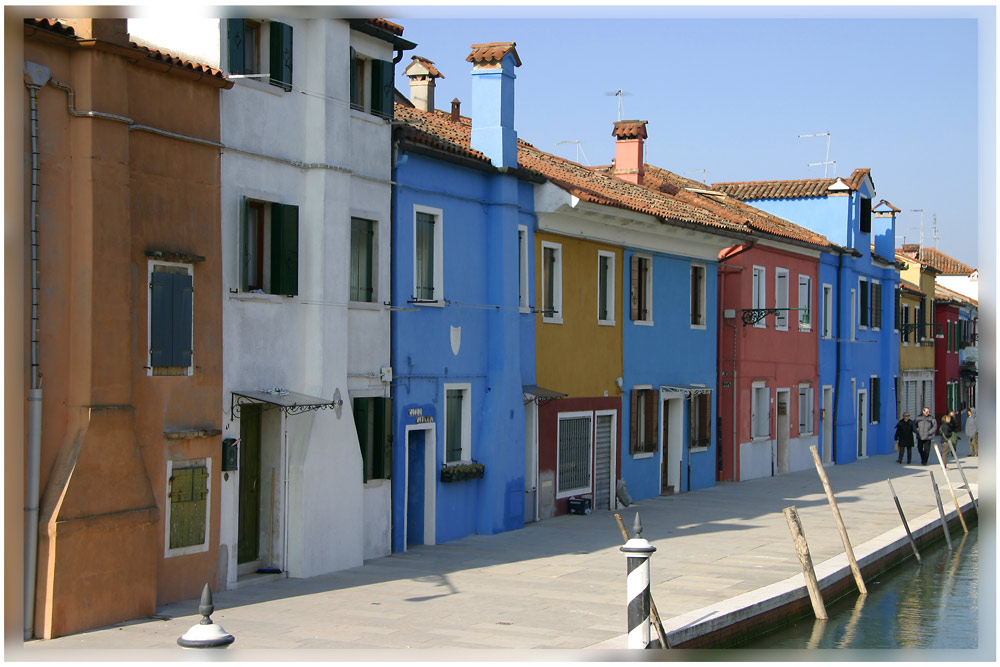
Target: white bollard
column 638, row 551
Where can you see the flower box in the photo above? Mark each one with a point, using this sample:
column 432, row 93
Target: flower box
column 462, row 471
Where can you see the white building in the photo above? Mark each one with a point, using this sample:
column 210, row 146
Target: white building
column 305, row 170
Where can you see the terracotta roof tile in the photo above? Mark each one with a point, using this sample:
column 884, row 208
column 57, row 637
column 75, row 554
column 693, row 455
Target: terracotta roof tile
column 907, row 287
column 491, row 54
column 51, row 24
column 794, row 189
column 417, row 61
column 629, row 129
column 885, row 203
column 179, row 62
column 948, row 266
column 437, row 130
column 942, row 293
column 388, row 26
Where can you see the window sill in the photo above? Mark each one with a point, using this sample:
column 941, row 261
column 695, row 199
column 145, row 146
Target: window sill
column 643, row 323
column 364, row 305
column 369, row 117
column 643, row 455
column 701, row 327
column 526, row 310
column 439, row 303
column 186, row 551
column 605, row 323
column 552, row 320
column 696, row 450
column 263, row 86
column 805, row 329
column 260, row 298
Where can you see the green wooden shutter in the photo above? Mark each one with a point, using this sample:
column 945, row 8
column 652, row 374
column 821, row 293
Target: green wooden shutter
column 386, row 441
column 235, row 35
column 634, row 287
column 382, row 88
column 244, row 242
column 284, row 249
column 634, row 421
column 281, row 55
column 355, row 83
column 361, row 421
column 188, row 494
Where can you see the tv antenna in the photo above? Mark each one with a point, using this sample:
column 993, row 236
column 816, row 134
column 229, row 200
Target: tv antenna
column 827, row 161
column 579, row 149
column 699, row 171
column 619, row 94
column 934, row 228
column 921, row 212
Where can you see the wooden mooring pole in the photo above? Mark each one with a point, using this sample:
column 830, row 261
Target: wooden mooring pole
column 965, row 480
column 858, row 579
column 899, row 508
column 958, row 508
column 661, row 634
column 944, row 522
column 802, row 550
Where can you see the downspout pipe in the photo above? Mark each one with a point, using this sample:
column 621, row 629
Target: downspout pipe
column 35, row 76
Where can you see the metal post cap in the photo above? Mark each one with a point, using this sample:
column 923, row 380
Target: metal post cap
column 206, row 634
column 638, row 545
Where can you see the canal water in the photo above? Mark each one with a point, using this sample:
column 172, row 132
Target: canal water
column 933, row 605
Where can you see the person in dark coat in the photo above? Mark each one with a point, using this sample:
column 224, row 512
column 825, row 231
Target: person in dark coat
column 948, row 437
column 904, row 438
column 926, row 427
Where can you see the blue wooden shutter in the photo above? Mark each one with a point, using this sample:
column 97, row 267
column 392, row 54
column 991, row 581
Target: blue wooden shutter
column 235, row 36
column 281, row 55
column 183, row 301
column 161, row 312
column 284, row 249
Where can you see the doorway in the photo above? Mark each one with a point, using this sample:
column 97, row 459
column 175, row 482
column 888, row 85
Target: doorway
column 420, row 477
column 604, row 461
column 248, row 526
column 862, row 423
column 827, row 424
column 782, row 431
column 531, row 462
column 671, row 442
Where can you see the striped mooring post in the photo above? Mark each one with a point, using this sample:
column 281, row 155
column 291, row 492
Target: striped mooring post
column 206, row 634
column 637, row 551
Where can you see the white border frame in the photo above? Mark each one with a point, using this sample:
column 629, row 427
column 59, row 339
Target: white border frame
column 758, row 294
column 149, row 315
column 778, row 273
column 194, row 548
column 430, row 479
column 868, row 282
column 641, row 455
column 812, row 409
column 827, row 306
column 798, row 318
column 612, row 288
column 613, row 472
column 376, row 291
column 648, row 322
column 871, row 303
column 557, row 292
column 702, row 296
column 524, row 300
column 754, row 417
column 438, row 255
column 589, row 414
column 466, row 388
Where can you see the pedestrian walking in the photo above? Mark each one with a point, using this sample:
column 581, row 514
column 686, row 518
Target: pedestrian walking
column 926, row 427
column 904, row 438
column 949, row 438
column 972, row 431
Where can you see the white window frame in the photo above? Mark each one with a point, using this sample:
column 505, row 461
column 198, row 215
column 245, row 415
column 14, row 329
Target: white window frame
column 524, row 286
column 557, row 300
column 904, row 309
column 466, row 389
column 759, row 294
column 149, row 315
column 261, row 83
column 702, row 296
column 810, row 421
column 808, row 312
column 918, row 333
column 755, row 417
column 610, row 321
column 871, row 394
column 438, row 214
column 827, row 311
column 871, row 303
column 562, row 416
column 781, row 299
column 194, row 548
column 376, row 226
column 648, row 321
column 854, row 315
column 645, row 455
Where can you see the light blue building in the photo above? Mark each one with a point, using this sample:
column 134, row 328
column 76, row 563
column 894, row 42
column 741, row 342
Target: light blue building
column 859, row 338
column 462, row 345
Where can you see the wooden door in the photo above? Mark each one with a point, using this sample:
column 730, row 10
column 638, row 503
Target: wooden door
column 248, row 539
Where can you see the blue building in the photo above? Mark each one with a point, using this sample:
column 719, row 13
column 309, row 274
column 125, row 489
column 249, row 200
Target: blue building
column 858, row 344
column 461, row 230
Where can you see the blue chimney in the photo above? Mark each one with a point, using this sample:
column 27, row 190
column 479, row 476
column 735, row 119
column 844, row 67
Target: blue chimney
column 493, row 77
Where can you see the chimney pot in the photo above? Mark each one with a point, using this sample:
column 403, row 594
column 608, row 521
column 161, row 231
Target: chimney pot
column 630, row 136
column 455, row 107
column 422, row 74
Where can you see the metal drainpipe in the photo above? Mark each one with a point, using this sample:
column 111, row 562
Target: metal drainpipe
column 35, row 76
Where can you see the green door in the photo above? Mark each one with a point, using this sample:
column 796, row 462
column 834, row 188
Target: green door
column 248, row 541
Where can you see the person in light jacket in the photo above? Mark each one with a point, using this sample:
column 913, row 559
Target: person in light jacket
column 972, row 430
column 926, row 428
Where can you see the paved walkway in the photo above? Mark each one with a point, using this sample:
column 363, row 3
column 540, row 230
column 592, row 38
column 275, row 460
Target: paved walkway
column 559, row 583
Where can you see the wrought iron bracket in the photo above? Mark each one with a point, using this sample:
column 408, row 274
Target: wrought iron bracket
column 755, row 315
column 237, row 401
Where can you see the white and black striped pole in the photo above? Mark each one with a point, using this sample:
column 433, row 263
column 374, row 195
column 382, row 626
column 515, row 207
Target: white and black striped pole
column 638, row 550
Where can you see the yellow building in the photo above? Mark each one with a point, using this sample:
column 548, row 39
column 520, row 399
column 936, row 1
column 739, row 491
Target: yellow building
column 916, row 355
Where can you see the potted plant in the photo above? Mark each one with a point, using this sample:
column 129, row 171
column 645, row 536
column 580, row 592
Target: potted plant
column 462, row 471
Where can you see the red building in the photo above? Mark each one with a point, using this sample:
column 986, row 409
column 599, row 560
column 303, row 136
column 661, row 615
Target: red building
column 948, row 376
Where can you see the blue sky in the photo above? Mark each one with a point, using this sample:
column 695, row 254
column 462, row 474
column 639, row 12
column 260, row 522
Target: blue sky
column 730, row 96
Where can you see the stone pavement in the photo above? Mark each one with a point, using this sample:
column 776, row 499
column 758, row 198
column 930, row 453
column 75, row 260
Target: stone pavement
column 558, row 583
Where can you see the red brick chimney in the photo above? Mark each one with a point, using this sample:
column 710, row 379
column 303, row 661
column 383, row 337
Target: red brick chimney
column 630, row 135
column 456, row 108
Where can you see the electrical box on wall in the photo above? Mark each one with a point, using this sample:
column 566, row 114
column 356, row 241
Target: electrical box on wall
column 230, row 454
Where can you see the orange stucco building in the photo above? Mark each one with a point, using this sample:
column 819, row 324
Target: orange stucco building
column 127, row 356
